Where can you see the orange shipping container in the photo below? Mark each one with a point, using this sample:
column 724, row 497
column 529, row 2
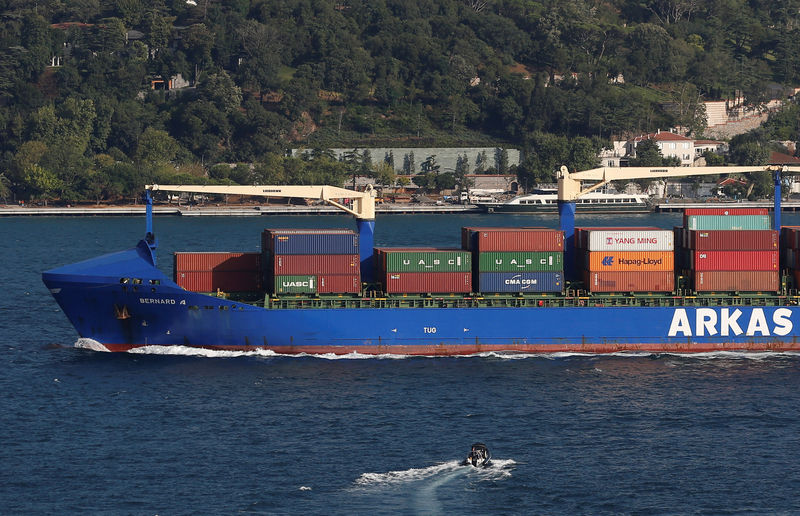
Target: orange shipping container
column 598, row 261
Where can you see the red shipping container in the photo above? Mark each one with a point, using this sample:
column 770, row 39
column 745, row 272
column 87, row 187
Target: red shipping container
column 732, row 240
column 743, row 281
column 725, row 211
column 427, row 282
column 650, row 281
column 339, row 283
column 226, row 281
column 286, row 264
column 734, row 260
column 511, row 239
column 217, row 261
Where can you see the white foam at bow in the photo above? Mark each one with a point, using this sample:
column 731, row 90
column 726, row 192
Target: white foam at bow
column 90, row 344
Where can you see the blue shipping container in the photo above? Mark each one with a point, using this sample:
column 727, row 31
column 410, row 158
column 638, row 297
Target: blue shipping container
column 309, row 243
column 520, row 282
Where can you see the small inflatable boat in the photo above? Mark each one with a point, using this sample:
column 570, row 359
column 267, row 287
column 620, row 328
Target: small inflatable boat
column 478, row 456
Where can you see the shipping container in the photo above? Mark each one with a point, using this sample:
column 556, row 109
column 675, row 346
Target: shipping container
column 216, row 261
column 427, row 282
column 532, row 261
column 729, row 240
column 511, row 239
column 316, row 284
column 582, row 233
column 728, row 222
column 741, row 281
column 621, row 281
column 629, row 240
column 734, row 260
column 725, row 211
column 629, row 261
column 421, row 259
column 226, row 281
column 520, row 282
column 304, row 241
column 288, row 264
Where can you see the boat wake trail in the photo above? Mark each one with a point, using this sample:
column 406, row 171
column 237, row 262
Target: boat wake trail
column 420, row 486
column 499, row 468
column 408, row 475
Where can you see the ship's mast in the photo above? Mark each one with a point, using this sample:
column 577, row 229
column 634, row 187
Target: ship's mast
column 570, row 189
column 363, row 207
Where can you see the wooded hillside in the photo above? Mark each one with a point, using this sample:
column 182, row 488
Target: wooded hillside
column 556, row 78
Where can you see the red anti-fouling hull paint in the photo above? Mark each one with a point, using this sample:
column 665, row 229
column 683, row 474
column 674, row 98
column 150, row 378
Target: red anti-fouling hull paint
column 482, row 239
column 435, row 349
column 217, row 261
column 734, row 260
column 732, row 240
column 284, row 264
column 226, row 281
column 741, row 281
column 649, row 281
column 427, row 282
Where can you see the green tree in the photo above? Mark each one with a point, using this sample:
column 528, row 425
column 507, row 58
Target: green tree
column 40, row 182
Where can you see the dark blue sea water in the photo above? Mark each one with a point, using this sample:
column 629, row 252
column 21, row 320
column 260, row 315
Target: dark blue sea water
column 100, row 433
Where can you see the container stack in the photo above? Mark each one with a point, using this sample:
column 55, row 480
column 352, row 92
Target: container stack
column 516, row 259
column 210, row 272
column 731, row 250
column 626, row 259
column 790, row 244
column 311, row 261
column 423, row 270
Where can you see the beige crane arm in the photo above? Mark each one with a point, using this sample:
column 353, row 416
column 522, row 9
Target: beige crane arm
column 569, row 184
column 363, row 202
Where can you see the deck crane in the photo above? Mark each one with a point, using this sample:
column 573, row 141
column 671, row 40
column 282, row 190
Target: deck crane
column 363, row 207
column 570, row 189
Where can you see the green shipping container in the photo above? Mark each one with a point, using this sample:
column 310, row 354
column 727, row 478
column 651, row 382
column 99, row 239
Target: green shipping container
column 705, row 222
column 540, row 261
column 295, row 285
column 424, row 261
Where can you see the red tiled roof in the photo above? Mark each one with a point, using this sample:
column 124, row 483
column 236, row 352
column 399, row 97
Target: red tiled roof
column 779, row 158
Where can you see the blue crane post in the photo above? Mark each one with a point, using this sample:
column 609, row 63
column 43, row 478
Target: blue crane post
column 366, row 241
column 777, row 218
column 566, row 220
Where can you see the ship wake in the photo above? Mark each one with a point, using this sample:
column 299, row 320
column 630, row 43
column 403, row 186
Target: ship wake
column 498, row 469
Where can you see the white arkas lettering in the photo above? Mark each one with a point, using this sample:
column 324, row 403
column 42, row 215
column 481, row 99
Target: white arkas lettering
column 728, row 322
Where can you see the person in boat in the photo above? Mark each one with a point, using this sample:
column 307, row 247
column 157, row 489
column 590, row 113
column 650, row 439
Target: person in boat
column 478, row 456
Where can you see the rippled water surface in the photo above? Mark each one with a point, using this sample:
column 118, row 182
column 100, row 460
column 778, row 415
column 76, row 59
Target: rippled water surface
column 222, row 433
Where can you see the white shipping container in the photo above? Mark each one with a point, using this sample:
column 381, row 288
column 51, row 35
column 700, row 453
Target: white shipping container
column 631, row 240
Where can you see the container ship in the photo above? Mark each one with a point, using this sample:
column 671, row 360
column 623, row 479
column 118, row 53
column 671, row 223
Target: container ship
column 722, row 281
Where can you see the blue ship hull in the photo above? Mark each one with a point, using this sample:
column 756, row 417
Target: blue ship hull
column 123, row 301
